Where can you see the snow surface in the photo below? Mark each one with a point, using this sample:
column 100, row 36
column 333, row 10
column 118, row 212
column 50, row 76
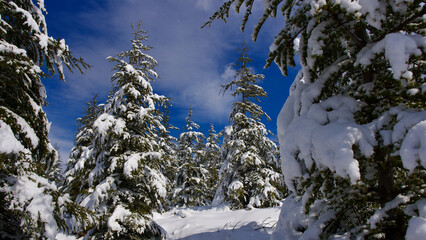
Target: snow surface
column 218, row 223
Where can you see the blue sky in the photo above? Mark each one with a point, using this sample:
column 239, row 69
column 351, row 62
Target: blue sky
column 193, row 62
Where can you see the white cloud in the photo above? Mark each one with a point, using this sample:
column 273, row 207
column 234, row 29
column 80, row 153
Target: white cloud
column 229, row 73
column 207, row 98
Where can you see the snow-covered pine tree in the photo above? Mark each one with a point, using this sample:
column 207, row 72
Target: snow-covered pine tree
column 31, row 205
column 249, row 176
column 121, row 175
column 92, row 112
column 191, row 178
column 77, row 166
column 353, row 131
column 169, row 147
column 211, row 160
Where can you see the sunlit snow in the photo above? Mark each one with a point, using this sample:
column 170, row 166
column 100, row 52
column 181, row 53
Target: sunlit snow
column 218, row 223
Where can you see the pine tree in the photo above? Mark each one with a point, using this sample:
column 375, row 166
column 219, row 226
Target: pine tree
column 212, row 160
column 191, row 179
column 249, row 176
column 77, row 162
column 352, row 132
column 121, row 178
column 31, row 205
column 92, row 112
column 169, row 147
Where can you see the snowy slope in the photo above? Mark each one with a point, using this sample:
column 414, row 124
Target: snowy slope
column 218, row 223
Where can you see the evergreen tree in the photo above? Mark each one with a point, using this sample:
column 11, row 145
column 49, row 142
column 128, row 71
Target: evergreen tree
column 352, row 132
column 191, row 179
column 120, row 177
column 92, row 112
column 77, row 161
column 248, row 176
column 169, row 147
column 211, row 160
column 31, row 205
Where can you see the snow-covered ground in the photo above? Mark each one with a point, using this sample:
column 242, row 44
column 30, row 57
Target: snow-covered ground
column 218, row 223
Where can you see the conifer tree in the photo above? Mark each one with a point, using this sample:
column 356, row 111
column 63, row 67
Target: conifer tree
column 169, row 147
column 249, row 176
column 31, row 205
column 212, row 160
column 352, row 132
column 121, row 178
column 191, row 179
column 212, row 147
column 77, row 162
column 92, row 112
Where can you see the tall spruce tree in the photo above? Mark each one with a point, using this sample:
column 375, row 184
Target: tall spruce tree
column 31, row 205
column 121, row 178
column 191, row 178
column 249, row 176
column 352, row 132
